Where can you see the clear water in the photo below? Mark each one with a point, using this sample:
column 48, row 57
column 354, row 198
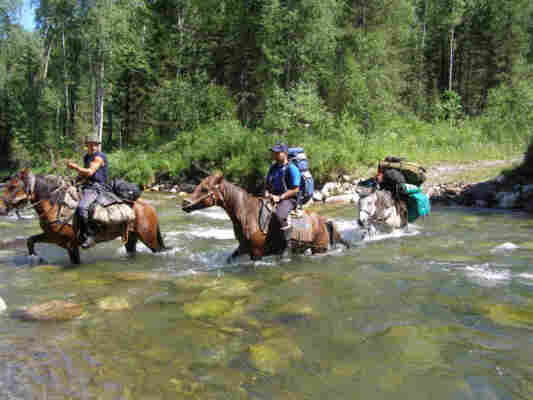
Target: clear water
column 443, row 312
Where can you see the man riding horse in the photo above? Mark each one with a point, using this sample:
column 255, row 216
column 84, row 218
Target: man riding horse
column 283, row 186
column 94, row 175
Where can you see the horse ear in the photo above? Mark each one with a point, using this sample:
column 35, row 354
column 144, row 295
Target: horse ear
column 218, row 177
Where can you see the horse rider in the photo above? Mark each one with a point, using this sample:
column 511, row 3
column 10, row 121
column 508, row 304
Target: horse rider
column 94, row 175
column 282, row 186
column 391, row 180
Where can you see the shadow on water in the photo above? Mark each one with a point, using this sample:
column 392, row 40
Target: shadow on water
column 442, row 312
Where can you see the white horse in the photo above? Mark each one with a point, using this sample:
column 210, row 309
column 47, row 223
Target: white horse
column 380, row 212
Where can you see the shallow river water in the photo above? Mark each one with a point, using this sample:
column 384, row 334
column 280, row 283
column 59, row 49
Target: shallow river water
column 442, row 312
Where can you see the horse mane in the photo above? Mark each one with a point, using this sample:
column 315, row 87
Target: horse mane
column 233, row 192
column 48, row 187
column 237, row 198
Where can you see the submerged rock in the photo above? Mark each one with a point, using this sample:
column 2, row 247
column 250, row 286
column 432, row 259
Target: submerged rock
column 114, row 303
column 47, row 268
column 137, row 276
column 212, row 308
column 291, row 311
column 55, row 310
column 509, row 315
column 274, row 355
column 230, row 287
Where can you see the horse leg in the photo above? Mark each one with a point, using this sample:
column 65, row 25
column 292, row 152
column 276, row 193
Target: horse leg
column 151, row 238
column 74, row 254
column 131, row 244
column 335, row 236
column 40, row 238
column 239, row 251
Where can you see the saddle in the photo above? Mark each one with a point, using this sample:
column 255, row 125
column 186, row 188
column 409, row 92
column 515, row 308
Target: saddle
column 299, row 221
column 108, row 209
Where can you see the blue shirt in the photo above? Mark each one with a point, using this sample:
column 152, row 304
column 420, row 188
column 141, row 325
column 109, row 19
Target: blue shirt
column 100, row 175
column 281, row 178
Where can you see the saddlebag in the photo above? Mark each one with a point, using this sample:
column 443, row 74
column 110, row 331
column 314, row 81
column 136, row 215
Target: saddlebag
column 126, row 190
column 115, row 214
column 414, row 173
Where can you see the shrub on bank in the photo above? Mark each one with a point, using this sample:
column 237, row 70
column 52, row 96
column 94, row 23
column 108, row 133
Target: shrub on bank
column 333, row 149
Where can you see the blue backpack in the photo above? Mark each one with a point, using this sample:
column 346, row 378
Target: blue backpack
column 307, row 185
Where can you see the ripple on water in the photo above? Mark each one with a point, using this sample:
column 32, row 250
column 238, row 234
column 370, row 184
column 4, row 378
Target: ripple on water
column 488, row 275
column 212, row 213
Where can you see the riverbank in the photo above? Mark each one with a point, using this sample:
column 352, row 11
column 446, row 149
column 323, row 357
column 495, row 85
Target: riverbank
column 480, row 183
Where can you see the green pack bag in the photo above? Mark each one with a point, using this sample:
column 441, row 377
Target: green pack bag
column 418, row 204
column 414, row 173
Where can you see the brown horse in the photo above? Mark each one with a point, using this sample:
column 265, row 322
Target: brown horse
column 245, row 212
column 47, row 197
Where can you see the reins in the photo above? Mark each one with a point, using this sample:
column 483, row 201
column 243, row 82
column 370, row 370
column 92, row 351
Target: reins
column 34, row 205
column 211, row 194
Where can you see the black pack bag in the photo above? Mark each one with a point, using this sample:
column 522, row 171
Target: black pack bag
column 414, row 173
column 126, row 190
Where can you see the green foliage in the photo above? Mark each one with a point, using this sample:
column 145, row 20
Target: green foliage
column 509, row 115
column 298, row 107
column 449, row 108
column 186, row 80
column 185, row 103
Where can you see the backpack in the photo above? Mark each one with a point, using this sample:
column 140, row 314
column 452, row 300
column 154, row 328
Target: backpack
column 307, row 185
column 418, row 204
column 414, row 173
column 126, row 190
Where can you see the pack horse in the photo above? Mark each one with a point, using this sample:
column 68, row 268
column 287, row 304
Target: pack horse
column 55, row 202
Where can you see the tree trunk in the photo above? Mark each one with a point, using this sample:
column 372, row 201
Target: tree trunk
column 450, row 76
column 99, row 93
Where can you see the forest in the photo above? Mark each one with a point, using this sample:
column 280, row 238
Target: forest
column 169, row 83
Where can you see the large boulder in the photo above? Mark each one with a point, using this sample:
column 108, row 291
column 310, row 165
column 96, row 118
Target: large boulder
column 480, row 192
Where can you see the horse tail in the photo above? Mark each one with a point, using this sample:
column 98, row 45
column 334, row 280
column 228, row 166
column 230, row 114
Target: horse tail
column 334, row 235
column 160, row 240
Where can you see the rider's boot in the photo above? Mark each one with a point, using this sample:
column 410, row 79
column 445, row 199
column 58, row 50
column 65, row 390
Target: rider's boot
column 286, row 233
column 86, row 234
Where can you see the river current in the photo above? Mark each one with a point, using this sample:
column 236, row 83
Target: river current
column 444, row 311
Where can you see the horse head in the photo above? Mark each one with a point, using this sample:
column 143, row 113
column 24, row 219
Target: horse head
column 18, row 191
column 378, row 212
column 208, row 193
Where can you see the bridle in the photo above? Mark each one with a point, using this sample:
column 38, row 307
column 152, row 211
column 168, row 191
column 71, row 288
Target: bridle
column 28, row 189
column 215, row 194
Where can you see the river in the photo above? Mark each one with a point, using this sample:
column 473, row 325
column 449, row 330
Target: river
column 444, row 311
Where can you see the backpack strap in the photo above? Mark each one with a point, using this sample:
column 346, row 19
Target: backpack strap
column 299, row 197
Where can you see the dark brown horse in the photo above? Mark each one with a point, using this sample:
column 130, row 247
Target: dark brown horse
column 245, row 212
column 47, row 197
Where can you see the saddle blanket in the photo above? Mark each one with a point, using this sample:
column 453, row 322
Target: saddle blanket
column 302, row 227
